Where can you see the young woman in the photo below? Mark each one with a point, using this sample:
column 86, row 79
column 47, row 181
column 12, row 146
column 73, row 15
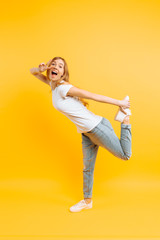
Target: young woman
column 95, row 130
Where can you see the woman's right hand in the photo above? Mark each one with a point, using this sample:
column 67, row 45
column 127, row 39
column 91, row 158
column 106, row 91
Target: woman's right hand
column 43, row 67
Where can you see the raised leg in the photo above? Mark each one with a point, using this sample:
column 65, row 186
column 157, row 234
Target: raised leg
column 104, row 135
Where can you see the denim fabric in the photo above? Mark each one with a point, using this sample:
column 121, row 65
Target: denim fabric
column 103, row 135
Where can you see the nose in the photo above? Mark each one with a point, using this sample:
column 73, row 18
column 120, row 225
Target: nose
column 53, row 67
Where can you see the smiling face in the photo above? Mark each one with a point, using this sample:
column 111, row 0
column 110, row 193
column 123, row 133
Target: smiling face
column 57, row 70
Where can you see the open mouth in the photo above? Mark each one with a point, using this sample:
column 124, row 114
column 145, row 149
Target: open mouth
column 54, row 73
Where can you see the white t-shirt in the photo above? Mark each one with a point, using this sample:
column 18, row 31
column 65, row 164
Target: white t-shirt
column 71, row 107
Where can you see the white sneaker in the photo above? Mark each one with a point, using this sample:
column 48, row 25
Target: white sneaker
column 120, row 115
column 81, row 205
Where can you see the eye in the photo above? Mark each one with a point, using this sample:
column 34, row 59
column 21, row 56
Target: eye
column 60, row 66
column 53, row 63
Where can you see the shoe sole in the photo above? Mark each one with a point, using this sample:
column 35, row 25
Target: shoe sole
column 81, row 209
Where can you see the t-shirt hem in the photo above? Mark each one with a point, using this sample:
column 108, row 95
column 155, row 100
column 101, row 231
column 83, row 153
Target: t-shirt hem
column 92, row 127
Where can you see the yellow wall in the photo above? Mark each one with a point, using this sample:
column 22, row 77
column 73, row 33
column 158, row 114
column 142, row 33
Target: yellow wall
column 112, row 48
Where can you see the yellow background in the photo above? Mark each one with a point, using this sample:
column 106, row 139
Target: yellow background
column 112, row 48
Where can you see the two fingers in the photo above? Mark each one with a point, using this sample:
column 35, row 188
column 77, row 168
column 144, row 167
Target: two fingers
column 47, row 64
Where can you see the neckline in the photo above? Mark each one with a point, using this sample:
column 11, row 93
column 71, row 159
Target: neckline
column 57, row 86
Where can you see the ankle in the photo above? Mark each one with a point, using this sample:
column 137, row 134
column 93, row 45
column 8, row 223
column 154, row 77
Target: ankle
column 126, row 120
column 87, row 200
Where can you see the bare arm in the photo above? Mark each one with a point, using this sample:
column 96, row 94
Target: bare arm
column 74, row 91
column 105, row 99
column 36, row 72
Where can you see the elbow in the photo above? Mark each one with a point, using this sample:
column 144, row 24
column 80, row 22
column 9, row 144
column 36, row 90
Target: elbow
column 31, row 70
column 95, row 97
column 89, row 95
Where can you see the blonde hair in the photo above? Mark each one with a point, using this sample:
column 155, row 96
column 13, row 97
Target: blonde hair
column 65, row 77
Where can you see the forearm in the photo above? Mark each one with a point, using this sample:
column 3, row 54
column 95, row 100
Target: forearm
column 39, row 75
column 105, row 99
column 35, row 71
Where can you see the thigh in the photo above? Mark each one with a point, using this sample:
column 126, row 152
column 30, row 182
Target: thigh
column 88, row 146
column 89, row 150
column 104, row 136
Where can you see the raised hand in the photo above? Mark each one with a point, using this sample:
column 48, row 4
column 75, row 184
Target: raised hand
column 43, row 67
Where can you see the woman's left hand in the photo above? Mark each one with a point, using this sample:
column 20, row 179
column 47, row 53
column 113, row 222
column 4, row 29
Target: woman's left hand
column 124, row 104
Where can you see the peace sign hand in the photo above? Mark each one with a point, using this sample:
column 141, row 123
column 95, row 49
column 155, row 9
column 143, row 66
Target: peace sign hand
column 43, row 67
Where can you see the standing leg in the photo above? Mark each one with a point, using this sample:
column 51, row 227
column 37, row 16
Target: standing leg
column 90, row 151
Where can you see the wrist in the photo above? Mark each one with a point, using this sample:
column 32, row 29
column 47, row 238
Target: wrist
column 38, row 70
column 34, row 70
column 119, row 103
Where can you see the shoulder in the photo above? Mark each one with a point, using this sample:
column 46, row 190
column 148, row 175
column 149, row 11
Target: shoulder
column 64, row 88
column 66, row 83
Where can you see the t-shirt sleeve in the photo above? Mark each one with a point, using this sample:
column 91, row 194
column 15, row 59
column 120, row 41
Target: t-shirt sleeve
column 64, row 88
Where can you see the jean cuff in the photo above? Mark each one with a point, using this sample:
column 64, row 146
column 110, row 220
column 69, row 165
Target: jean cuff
column 88, row 196
column 126, row 125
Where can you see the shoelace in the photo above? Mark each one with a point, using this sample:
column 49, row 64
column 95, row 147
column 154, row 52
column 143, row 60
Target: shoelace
column 80, row 203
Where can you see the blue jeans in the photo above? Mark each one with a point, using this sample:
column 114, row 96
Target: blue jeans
column 103, row 135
